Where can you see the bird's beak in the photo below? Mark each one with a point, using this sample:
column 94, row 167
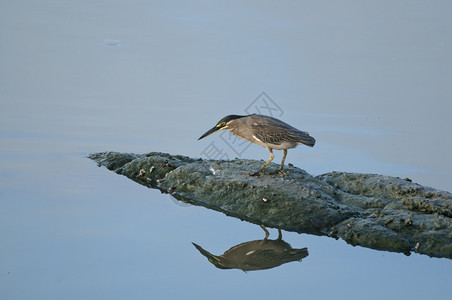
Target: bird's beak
column 203, row 252
column 212, row 258
column 209, row 132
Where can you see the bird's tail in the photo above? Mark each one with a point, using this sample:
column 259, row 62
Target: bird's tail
column 306, row 139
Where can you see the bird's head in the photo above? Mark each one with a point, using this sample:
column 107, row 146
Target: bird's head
column 222, row 124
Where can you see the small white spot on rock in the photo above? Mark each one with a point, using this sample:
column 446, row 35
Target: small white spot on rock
column 212, row 170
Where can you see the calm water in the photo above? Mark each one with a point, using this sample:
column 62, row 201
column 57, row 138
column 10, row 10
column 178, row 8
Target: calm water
column 371, row 84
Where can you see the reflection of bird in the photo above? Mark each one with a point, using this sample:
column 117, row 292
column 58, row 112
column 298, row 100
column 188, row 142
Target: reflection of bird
column 264, row 131
column 256, row 255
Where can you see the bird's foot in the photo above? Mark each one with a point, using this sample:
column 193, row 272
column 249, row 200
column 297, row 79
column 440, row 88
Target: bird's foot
column 275, row 172
column 253, row 173
column 280, row 172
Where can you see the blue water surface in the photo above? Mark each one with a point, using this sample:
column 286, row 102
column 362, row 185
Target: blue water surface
column 370, row 81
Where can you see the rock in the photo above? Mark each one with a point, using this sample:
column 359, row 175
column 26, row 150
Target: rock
column 375, row 211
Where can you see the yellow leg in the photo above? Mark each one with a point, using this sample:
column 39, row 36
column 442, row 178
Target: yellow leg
column 266, row 231
column 283, row 159
column 269, row 160
column 266, row 164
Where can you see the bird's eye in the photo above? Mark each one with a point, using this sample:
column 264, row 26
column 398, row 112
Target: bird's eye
column 222, row 124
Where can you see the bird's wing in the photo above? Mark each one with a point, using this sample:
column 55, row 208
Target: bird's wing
column 274, row 134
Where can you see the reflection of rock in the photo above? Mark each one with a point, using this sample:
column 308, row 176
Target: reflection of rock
column 256, row 255
column 374, row 211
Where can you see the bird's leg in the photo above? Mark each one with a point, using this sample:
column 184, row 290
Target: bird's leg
column 283, row 159
column 266, row 164
column 282, row 163
column 279, row 234
column 266, row 231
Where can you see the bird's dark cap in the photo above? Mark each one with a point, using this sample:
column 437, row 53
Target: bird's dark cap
column 229, row 118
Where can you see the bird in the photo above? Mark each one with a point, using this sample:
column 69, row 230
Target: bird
column 256, row 255
column 264, row 131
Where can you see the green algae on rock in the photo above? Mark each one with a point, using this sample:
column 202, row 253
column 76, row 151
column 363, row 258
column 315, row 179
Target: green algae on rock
column 375, row 211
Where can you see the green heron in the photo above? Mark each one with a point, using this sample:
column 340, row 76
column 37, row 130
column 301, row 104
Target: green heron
column 256, row 255
column 264, row 131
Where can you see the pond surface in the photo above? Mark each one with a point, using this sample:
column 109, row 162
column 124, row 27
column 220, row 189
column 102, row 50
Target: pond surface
column 371, row 84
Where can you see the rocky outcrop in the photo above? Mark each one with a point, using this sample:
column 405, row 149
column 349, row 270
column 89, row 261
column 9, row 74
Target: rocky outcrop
column 375, row 211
